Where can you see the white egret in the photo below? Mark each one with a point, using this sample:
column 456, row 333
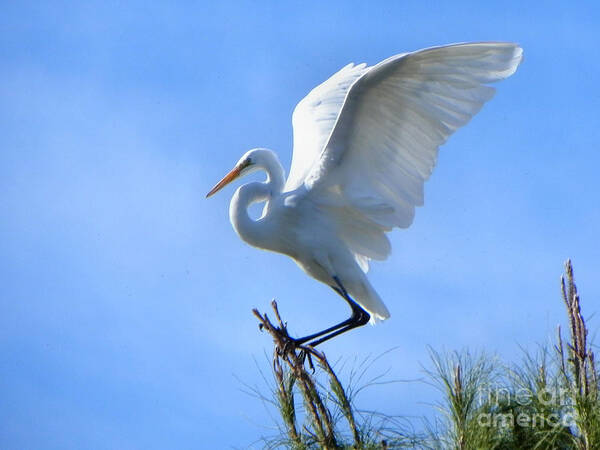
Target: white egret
column 365, row 141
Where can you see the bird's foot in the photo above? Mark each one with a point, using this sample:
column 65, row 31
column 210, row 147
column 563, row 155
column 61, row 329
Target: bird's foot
column 300, row 352
column 297, row 350
column 288, row 344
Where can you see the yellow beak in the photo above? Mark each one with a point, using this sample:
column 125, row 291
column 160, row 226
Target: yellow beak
column 235, row 172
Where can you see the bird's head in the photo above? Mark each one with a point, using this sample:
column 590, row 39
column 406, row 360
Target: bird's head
column 252, row 161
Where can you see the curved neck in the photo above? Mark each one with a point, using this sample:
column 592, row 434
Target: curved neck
column 257, row 232
column 275, row 173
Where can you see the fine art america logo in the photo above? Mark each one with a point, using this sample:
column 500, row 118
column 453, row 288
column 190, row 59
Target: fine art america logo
column 525, row 408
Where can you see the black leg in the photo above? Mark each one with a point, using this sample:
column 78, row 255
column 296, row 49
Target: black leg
column 358, row 318
column 363, row 319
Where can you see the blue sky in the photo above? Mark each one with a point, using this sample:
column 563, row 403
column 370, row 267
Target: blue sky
column 126, row 296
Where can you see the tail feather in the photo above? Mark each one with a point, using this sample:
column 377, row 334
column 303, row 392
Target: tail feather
column 363, row 293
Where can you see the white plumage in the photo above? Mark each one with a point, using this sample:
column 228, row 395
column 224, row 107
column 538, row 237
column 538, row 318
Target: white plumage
column 365, row 141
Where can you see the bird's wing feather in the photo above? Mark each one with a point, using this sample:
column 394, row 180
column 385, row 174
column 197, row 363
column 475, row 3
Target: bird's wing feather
column 385, row 141
column 314, row 118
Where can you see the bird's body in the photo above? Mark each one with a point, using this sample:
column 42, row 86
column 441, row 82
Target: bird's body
column 365, row 141
column 310, row 232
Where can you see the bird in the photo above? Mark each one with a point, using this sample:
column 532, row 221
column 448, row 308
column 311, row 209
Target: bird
column 364, row 143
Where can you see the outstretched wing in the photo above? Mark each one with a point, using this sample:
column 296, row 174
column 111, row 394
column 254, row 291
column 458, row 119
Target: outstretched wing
column 314, row 118
column 385, row 141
